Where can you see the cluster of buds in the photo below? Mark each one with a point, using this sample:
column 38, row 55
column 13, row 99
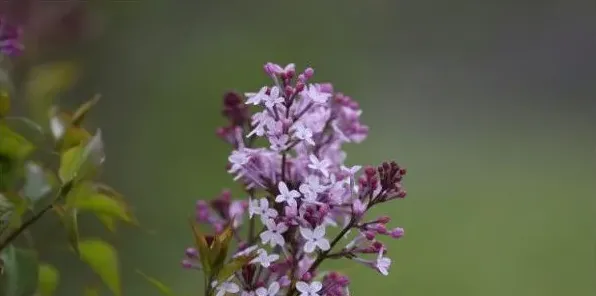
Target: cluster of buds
column 297, row 187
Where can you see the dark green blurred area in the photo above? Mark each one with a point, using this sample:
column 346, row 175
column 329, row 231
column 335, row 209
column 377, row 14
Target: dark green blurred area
column 490, row 106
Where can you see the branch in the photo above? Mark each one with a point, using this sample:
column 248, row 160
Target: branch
column 63, row 191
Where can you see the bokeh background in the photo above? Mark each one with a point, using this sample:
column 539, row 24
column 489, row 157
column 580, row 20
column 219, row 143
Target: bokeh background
column 489, row 104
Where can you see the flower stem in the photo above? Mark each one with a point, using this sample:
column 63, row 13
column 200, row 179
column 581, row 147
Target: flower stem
column 251, row 231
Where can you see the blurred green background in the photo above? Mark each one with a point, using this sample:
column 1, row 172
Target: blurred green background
column 489, row 104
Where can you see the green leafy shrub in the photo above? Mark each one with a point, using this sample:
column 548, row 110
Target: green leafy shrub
column 49, row 165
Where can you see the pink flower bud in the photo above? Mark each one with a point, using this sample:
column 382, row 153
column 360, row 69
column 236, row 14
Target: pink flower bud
column 384, row 219
column 191, row 253
column 309, row 72
column 397, row 232
column 187, row 264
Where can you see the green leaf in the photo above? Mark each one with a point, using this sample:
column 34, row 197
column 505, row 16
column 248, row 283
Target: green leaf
column 82, row 111
column 49, row 277
column 71, row 162
column 37, row 184
column 73, row 136
column 163, row 289
column 103, row 260
column 102, row 204
column 204, row 249
column 20, row 272
column 69, row 219
column 229, row 269
column 221, row 245
column 78, row 161
column 12, row 208
column 13, row 145
column 108, row 221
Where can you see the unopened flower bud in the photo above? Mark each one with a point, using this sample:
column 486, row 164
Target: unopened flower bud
column 309, row 72
column 397, row 232
column 384, row 219
column 191, row 253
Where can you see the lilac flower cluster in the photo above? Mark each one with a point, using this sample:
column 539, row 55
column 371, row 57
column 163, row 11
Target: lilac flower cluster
column 299, row 189
column 10, row 39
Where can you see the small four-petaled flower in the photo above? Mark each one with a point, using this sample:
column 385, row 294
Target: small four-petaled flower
column 319, row 165
column 264, row 259
column 311, row 289
column 314, row 238
column 273, row 234
column 261, row 207
column 287, row 195
column 271, row 291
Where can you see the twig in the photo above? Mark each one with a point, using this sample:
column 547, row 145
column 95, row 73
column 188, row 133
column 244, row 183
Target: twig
column 63, row 191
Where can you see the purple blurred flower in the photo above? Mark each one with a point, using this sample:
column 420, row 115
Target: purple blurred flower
column 10, row 39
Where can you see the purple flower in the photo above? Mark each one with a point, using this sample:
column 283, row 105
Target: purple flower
column 261, row 207
column 289, row 151
column 319, row 165
column 273, row 234
column 383, row 263
column 10, row 39
column 264, row 259
column 271, row 291
column 311, row 289
column 314, row 239
column 286, row 195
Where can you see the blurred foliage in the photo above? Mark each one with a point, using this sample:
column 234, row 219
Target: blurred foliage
column 51, row 168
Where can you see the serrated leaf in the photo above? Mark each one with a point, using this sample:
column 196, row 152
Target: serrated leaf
column 82, row 111
column 103, row 260
column 161, row 287
column 12, row 145
column 49, row 277
column 230, row 268
column 20, row 271
column 4, row 103
column 37, row 184
column 204, row 249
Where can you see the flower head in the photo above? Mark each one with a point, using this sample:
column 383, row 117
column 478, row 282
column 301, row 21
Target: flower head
column 288, row 149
